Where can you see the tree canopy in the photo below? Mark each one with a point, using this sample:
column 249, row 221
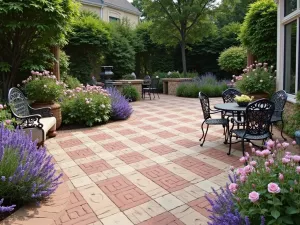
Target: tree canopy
column 179, row 22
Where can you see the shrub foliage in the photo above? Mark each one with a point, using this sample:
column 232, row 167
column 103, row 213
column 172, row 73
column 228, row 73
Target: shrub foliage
column 233, row 59
column 131, row 93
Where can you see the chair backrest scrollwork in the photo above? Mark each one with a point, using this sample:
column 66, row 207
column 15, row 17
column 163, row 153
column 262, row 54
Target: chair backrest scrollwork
column 18, row 102
column 279, row 98
column 258, row 117
column 204, row 100
column 229, row 94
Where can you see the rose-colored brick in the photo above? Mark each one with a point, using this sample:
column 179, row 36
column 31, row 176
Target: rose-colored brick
column 187, row 143
column 126, row 132
column 95, row 166
column 162, row 149
column 148, row 127
column 70, row 143
column 186, row 130
column 167, row 123
column 164, row 178
column 165, row 134
column 163, row 219
column 132, row 157
column 223, row 157
column 82, row 153
column 141, row 140
column 122, row 192
column 201, row 205
column 198, row 167
column 114, row 146
column 100, row 137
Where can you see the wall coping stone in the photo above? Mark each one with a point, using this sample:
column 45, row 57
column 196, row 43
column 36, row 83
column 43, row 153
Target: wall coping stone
column 137, row 81
column 176, row 79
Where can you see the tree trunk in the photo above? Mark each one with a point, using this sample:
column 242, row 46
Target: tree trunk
column 183, row 56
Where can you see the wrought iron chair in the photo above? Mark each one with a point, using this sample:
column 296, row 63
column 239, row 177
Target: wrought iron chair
column 229, row 94
column 152, row 88
column 37, row 121
column 257, row 123
column 279, row 99
column 207, row 111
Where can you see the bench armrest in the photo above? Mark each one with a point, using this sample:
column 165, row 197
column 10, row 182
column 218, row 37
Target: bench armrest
column 32, row 121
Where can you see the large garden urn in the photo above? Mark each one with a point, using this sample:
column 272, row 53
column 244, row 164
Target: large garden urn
column 106, row 75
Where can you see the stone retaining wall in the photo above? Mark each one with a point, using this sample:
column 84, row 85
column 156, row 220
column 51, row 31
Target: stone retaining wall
column 137, row 84
column 170, row 84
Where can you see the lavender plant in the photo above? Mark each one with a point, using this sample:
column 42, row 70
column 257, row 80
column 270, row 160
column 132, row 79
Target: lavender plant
column 26, row 172
column 120, row 107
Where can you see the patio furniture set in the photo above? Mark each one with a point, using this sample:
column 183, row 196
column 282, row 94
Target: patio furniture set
column 253, row 122
column 150, row 86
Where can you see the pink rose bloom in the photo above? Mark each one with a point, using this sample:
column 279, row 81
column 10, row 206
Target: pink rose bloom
column 273, row 188
column 298, row 169
column 266, row 152
column 8, row 122
column 243, row 178
column 270, row 143
column 253, row 163
column 278, row 145
column 240, row 171
column 296, row 158
column 285, row 144
column 253, row 150
column 243, row 159
column 233, row 187
column 294, row 142
column 258, row 153
column 248, row 169
column 271, row 161
column 281, row 177
column 285, row 160
column 288, row 153
column 267, row 164
column 253, row 196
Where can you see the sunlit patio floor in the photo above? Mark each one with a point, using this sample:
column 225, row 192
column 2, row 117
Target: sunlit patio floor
column 147, row 170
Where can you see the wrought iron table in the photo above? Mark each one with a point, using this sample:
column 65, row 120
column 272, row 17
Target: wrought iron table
column 230, row 107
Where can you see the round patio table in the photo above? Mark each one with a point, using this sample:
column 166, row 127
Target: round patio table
column 230, row 107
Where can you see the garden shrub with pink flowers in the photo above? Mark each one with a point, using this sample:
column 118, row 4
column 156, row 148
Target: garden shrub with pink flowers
column 86, row 105
column 267, row 190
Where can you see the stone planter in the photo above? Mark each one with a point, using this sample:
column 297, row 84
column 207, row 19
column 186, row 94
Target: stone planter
column 55, row 109
column 259, row 96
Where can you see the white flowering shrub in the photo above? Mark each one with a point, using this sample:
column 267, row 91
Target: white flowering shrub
column 86, row 105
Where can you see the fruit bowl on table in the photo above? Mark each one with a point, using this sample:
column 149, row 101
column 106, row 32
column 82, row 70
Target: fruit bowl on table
column 243, row 104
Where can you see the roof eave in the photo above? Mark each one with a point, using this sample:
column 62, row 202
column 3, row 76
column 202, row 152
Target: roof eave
column 123, row 9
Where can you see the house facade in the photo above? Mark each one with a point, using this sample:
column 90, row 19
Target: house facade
column 288, row 36
column 113, row 10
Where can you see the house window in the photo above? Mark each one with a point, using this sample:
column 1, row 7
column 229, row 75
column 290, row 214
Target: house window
column 290, row 45
column 289, row 6
column 113, row 19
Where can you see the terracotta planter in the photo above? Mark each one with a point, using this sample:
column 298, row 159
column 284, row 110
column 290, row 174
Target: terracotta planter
column 259, row 96
column 55, row 109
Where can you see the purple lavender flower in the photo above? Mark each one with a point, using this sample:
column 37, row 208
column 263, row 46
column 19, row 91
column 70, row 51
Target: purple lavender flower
column 4, row 209
column 30, row 173
column 121, row 109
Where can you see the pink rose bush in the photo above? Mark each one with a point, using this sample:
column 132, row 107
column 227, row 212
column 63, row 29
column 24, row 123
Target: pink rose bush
column 268, row 187
column 86, row 105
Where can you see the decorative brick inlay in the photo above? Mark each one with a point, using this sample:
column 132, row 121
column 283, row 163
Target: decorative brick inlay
column 69, row 143
column 141, row 140
column 164, row 178
column 223, row 157
column 95, row 167
column 186, row 129
column 167, row 123
column 77, row 212
column 132, row 157
column 162, row 149
column 201, row 205
column 198, row 167
column 82, row 153
column 126, row 132
column 118, row 145
column 100, row 137
column 187, row 143
column 122, row 192
column 165, row 134
column 163, row 219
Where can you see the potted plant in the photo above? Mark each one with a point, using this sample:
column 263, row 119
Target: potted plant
column 258, row 80
column 265, row 191
column 44, row 90
column 243, row 100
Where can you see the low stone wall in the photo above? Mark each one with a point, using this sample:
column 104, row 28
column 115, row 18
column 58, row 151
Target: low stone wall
column 46, row 214
column 170, row 84
column 137, row 84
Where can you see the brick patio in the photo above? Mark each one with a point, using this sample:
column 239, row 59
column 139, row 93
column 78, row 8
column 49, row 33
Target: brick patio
column 147, row 170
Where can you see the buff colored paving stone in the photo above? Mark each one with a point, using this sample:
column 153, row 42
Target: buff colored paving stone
column 147, row 170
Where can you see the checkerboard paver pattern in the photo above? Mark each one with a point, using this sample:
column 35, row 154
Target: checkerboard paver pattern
column 146, row 170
